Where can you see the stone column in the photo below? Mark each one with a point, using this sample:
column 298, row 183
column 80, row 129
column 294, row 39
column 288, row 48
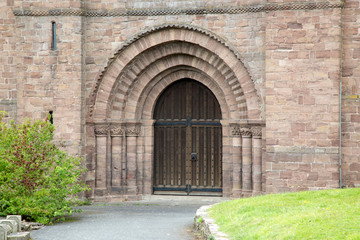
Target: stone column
column 117, row 135
column 132, row 131
column 140, row 165
column 236, row 157
column 101, row 133
column 246, row 161
column 256, row 163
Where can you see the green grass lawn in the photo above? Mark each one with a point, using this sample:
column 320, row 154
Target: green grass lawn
column 327, row 214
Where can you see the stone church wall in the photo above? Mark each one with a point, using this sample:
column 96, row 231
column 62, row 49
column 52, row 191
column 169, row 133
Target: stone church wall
column 296, row 58
column 351, row 94
column 302, row 99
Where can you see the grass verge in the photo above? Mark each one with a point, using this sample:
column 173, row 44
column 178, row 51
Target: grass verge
column 327, row 214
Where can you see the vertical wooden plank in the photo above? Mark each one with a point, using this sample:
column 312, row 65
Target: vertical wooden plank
column 183, row 156
column 197, row 150
column 176, row 156
column 201, row 154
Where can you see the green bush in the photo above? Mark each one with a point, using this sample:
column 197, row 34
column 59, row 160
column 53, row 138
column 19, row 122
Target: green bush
column 37, row 179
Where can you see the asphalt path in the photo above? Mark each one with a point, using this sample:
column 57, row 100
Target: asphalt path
column 158, row 217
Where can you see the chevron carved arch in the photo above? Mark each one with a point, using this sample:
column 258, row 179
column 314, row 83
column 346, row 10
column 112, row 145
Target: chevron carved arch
column 151, row 53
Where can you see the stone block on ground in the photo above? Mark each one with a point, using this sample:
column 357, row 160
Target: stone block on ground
column 29, row 226
column 16, row 218
column 11, row 223
column 4, row 230
column 19, row 236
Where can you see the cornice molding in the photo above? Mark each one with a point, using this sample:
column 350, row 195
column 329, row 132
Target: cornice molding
column 177, row 11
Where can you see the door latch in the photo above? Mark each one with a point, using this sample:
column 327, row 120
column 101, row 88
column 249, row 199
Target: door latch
column 193, row 156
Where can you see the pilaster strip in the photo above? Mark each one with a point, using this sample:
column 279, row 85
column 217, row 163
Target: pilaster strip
column 176, row 11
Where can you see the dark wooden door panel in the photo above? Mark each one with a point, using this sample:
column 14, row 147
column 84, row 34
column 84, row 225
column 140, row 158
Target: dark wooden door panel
column 187, row 141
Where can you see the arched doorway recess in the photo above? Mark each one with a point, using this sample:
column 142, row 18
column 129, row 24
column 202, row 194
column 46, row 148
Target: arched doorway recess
column 120, row 123
column 187, row 141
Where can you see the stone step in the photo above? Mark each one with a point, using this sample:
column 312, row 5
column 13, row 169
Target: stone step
column 19, row 236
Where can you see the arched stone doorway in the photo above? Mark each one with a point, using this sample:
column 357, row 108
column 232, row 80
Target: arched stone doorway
column 187, row 141
column 120, row 123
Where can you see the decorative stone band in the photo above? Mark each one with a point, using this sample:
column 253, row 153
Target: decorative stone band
column 129, row 129
column 133, row 130
column 246, row 131
column 256, row 132
column 175, row 11
column 102, row 130
column 117, row 130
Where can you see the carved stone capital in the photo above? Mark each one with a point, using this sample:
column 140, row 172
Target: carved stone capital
column 245, row 132
column 235, row 130
column 256, row 132
column 132, row 130
column 101, row 130
column 117, row 130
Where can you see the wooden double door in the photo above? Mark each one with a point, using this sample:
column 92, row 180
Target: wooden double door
column 187, row 141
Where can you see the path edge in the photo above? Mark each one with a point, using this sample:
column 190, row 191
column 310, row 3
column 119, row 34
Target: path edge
column 206, row 226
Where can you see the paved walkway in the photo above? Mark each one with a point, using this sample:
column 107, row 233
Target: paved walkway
column 157, row 217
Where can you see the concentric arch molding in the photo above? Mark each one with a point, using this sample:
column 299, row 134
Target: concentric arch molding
column 178, row 11
column 152, row 30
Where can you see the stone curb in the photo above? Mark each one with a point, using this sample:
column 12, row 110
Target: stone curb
column 207, row 226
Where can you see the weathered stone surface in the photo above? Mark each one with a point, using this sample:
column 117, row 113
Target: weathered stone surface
column 11, row 223
column 16, row 218
column 19, row 236
column 110, row 69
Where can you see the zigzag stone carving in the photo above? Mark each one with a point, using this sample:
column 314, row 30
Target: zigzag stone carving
column 174, row 11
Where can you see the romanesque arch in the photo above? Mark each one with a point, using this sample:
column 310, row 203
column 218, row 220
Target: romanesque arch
column 122, row 102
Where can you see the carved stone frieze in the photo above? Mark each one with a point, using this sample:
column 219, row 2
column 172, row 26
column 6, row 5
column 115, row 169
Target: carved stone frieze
column 132, row 130
column 101, row 130
column 235, row 130
column 117, row 130
column 256, row 132
column 177, row 11
column 245, row 132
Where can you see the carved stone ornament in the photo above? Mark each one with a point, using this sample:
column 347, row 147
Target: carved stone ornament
column 245, row 132
column 117, row 130
column 256, row 132
column 235, row 130
column 177, row 11
column 101, row 130
column 133, row 130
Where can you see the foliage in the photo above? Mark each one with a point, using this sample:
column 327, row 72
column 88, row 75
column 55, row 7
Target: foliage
column 328, row 214
column 37, row 179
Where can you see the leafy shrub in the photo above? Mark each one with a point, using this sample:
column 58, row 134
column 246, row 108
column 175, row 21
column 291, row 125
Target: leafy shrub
column 37, row 179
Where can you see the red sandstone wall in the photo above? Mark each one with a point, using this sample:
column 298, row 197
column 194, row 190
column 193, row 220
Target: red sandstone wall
column 351, row 94
column 7, row 60
column 302, row 75
column 47, row 3
column 302, row 99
